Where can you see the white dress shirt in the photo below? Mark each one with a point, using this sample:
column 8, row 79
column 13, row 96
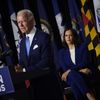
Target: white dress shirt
column 72, row 54
column 31, row 35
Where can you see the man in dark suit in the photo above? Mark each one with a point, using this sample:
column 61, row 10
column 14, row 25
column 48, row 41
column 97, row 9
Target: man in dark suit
column 35, row 54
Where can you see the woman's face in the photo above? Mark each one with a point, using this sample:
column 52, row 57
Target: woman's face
column 69, row 37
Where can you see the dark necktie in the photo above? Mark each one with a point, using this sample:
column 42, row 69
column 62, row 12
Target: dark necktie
column 27, row 45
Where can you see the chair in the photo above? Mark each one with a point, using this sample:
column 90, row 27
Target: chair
column 67, row 92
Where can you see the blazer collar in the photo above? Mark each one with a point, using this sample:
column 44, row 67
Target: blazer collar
column 34, row 41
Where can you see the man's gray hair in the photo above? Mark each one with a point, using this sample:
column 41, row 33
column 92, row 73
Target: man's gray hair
column 27, row 12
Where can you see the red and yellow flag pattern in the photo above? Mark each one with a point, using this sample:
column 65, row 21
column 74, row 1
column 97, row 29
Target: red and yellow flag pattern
column 90, row 31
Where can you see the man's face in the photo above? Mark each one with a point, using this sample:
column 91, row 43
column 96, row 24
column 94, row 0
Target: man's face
column 24, row 24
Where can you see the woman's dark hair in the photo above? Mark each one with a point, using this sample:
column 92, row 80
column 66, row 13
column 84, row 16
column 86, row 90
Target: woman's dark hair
column 77, row 40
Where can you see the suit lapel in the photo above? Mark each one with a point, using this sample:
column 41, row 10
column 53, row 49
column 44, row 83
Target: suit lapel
column 25, row 57
column 34, row 41
column 77, row 53
column 67, row 57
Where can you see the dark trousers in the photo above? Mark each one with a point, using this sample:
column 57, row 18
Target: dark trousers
column 81, row 83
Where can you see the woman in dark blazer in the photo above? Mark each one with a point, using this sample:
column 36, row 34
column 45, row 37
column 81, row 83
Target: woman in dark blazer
column 73, row 59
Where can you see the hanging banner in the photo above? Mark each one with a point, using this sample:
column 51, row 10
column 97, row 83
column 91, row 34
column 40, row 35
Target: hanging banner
column 97, row 13
column 6, row 85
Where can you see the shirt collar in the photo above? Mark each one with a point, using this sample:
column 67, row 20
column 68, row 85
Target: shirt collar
column 32, row 32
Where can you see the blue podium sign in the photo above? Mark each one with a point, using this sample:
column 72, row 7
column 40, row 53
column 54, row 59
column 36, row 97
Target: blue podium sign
column 6, row 85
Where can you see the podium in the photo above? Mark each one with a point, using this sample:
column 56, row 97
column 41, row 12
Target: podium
column 18, row 78
column 6, row 85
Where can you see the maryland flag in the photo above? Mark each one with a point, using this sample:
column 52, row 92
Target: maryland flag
column 90, row 32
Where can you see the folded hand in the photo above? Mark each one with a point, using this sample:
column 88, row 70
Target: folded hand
column 85, row 71
column 18, row 68
column 65, row 74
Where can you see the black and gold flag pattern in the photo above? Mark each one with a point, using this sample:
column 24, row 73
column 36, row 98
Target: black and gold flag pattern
column 90, row 31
